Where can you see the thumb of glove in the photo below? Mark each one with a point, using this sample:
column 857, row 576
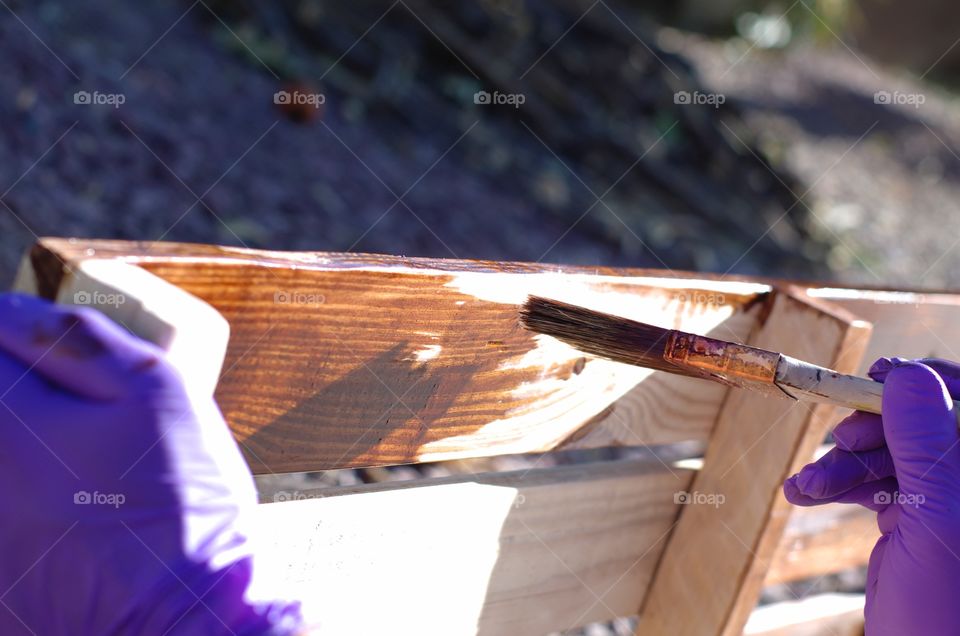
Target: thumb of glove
column 920, row 428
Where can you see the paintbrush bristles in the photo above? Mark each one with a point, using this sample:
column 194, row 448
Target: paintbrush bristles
column 600, row 334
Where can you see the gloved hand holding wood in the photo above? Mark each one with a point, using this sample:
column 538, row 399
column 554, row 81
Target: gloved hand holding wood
column 905, row 465
column 124, row 496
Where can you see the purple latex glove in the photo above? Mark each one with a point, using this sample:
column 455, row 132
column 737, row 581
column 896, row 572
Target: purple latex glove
column 123, row 496
column 905, row 466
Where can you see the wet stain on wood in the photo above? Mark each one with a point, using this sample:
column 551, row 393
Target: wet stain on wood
column 357, row 360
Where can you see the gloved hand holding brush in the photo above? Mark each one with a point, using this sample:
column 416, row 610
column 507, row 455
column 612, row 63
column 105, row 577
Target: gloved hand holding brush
column 123, row 496
column 905, row 465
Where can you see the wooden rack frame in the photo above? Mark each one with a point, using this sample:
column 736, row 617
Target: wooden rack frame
column 345, row 360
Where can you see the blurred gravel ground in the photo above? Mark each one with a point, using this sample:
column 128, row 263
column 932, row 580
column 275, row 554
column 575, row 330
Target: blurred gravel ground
column 884, row 178
column 200, row 122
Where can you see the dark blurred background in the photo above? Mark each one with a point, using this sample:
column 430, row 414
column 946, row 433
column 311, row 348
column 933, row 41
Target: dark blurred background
column 814, row 140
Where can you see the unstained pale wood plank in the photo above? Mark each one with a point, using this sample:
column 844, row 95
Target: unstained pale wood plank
column 906, row 324
column 823, row 539
column 527, row 552
column 820, row 615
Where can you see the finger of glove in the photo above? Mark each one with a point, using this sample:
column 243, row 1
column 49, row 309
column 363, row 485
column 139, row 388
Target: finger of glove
column 888, row 517
column 948, row 371
column 33, row 414
column 859, row 431
column 872, row 495
column 21, row 393
column 881, row 367
column 921, row 431
column 838, row 471
column 873, row 571
column 77, row 348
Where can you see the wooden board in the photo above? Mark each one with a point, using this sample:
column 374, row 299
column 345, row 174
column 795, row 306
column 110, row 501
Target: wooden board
column 528, row 552
column 821, row 540
column 351, row 360
column 910, row 324
column 710, row 575
column 340, row 360
column 818, row 540
column 906, row 324
column 820, row 615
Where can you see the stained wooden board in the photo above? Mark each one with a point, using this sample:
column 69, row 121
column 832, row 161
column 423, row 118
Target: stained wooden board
column 345, row 360
column 528, row 552
column 711, row 573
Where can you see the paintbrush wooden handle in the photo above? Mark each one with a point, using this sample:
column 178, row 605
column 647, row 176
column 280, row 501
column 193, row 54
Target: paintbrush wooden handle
column 806, row 381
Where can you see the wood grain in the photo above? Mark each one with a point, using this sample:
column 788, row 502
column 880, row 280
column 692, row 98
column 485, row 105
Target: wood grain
column 821, row 540
column 528, row 552
column 906, row 324
column 350, row 360
column 710, row 575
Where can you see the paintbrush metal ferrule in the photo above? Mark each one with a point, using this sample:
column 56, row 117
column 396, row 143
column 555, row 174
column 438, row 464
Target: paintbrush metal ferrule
column 733, row 362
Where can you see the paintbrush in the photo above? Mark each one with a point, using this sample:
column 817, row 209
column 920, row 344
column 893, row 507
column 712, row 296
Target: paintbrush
column 623, row 340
